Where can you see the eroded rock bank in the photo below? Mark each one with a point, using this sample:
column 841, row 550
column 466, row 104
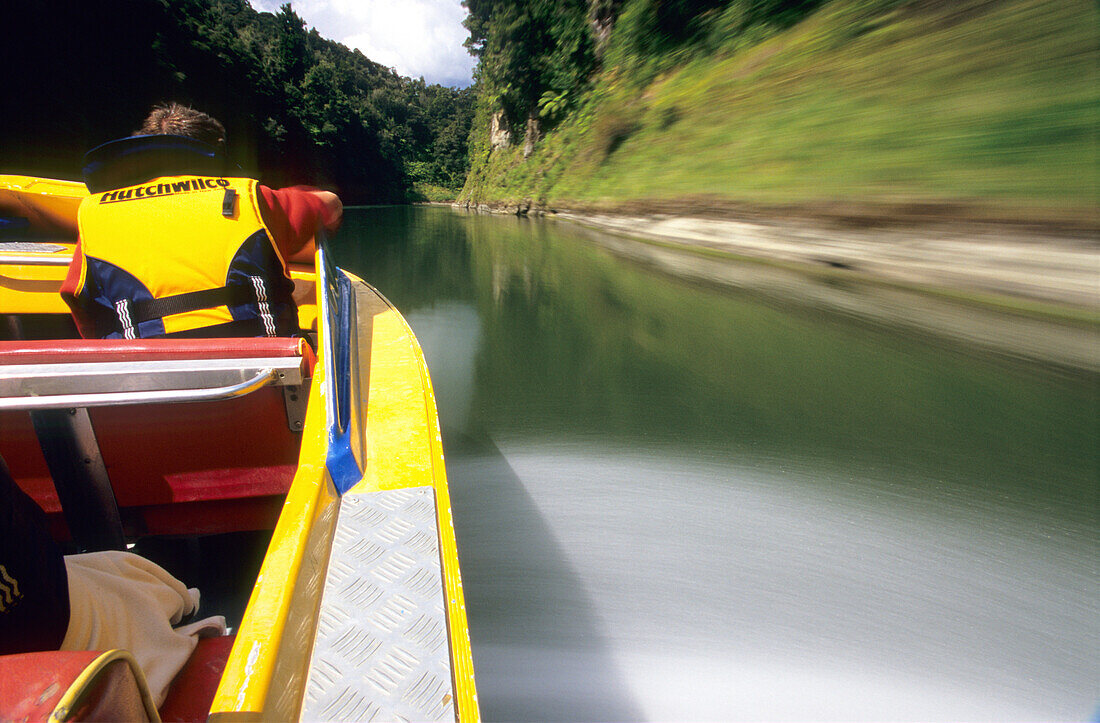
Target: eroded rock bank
column 1023, row 289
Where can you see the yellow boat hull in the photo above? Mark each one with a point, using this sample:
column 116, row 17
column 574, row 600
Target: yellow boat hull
column 392, row 446
column 396, row 436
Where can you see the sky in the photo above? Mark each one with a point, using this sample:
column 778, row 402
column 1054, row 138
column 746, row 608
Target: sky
column 416, row 37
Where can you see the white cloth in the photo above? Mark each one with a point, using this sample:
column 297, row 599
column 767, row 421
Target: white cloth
column 121, row 600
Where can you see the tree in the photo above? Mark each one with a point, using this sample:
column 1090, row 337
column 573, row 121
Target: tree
column 298, row 108
column 534, row 56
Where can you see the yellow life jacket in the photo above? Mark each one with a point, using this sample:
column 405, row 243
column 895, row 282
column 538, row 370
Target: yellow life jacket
column 182, row 256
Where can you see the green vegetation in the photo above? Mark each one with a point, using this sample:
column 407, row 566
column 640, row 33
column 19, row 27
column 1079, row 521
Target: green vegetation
column 987, row 106
column 297, row 108
column 429, row 192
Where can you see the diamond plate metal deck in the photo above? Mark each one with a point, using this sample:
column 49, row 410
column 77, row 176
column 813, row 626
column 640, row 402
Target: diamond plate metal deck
column 381, row 651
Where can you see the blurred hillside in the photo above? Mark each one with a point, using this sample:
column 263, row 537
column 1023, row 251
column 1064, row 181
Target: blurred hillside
column 895, row 109
column 298, row 108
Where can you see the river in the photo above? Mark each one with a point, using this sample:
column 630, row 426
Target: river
column 680, row 501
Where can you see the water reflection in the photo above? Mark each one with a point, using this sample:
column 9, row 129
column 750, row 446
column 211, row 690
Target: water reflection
column 674, row 501
column 736, row 593
column 450, row 334
column 541, row 651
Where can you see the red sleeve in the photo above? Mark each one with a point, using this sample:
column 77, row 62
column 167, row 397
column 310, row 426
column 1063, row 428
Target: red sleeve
column 294, row 216
column 72, row 276
column 68, row 293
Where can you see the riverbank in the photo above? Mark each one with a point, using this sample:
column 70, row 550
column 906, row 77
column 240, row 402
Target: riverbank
column 1024, row 290
column 892, row 109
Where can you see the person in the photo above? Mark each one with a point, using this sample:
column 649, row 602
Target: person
column 174, row 243
column 34, row 592
column 91, row 601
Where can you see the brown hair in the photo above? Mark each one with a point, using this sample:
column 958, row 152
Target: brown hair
column 179, row 120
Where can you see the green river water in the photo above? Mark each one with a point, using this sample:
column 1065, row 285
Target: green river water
column 678, row 501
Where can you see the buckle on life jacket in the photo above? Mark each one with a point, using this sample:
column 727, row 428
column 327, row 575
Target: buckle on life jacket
column 228, row 201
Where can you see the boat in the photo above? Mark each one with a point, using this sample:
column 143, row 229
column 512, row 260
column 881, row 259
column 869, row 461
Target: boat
column 330, row 444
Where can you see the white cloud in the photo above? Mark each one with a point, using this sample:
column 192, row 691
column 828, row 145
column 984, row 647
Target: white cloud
column 416, row 37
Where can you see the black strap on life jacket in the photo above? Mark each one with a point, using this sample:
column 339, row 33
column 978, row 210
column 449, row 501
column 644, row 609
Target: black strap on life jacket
column 150, row 309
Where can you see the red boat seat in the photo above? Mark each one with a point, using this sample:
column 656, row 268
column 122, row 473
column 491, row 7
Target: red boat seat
column 104, row 687
column 96, row 686
column 176, row 467
column 192, row 692
column 55, row 351
column 31, row 684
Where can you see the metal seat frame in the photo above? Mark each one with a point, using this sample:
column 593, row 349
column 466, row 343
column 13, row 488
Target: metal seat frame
column 58, row 394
